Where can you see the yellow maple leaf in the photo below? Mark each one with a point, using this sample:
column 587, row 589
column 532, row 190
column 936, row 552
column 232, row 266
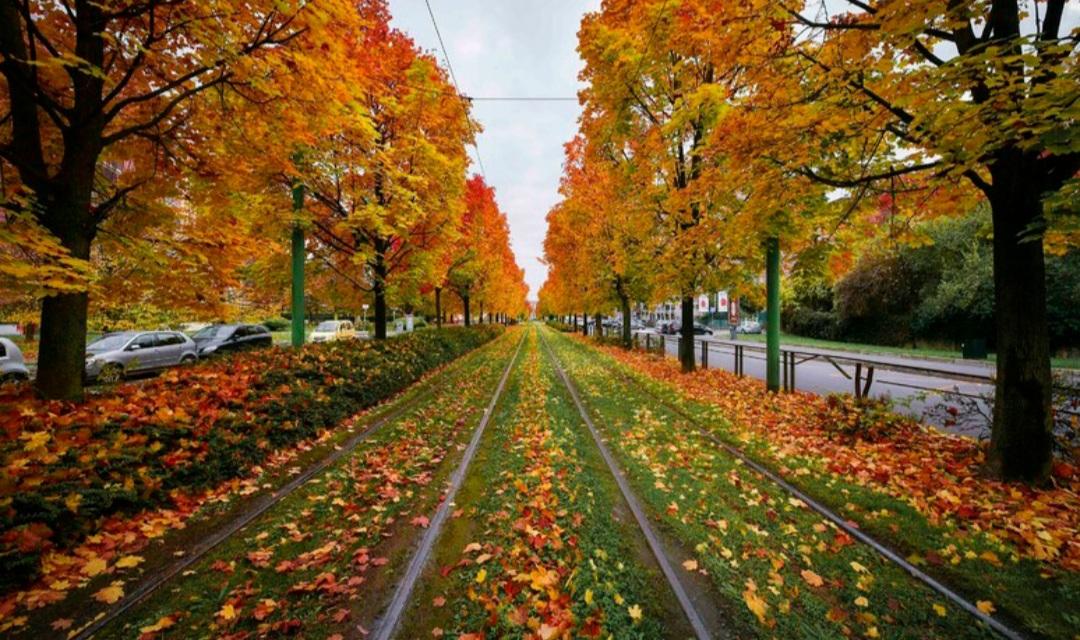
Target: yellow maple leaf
column 861, row 601
column 162, row 624
column 110, row 594
column 985, row 606
column 228, row 612
column 588, row 596
column 756, row 604
column 94, row 566
column 939, row 609
column 72, row 501
column 690, row 565
column 811, row 578
column 128, row 562
column 635, row 612
column 481, row 576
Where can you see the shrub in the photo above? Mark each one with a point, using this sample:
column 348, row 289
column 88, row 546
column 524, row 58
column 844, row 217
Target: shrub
column 65, row 466
column 276, row 324
column 802, row 321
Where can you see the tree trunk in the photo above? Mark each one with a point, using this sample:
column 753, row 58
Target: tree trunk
column 686, row 335
column 575, row 323
column 626, row 337
column 62, row 350
column 598, row 326
column 585, row 324
column 62, row 354
column 379, row 291
column 480, row 316
column 438, row 307
column 1022, row 437
column 465, row 307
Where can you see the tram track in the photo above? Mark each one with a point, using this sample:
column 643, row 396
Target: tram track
column 260, row 505
column 390, row 621
column 878, row 547
column 647, row 530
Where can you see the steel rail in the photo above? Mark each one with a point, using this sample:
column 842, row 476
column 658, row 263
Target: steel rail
column 260, row 505
column 841, row 523
column 647, row 530
column 392, row 618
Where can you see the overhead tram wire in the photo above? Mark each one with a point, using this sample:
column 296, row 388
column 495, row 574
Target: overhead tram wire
column 469, row 98
column 453, row 78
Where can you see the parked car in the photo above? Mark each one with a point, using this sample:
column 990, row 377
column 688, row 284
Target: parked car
column 12, row 365
column 115, row 355
column 702, row 330
column 229, row 338
column 699, row 329
column 750, row 326
column 667, row 328
column 331, row 330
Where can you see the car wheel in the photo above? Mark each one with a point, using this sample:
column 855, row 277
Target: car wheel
column 13, row 377
column 188, row 360
column 111, row 374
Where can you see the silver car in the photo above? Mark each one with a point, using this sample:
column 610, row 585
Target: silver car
column 12, row 365
column 116, row 355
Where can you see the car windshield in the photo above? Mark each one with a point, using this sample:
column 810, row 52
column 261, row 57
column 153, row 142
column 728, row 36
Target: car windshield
column 328, row 325
column 111, row 342
column 212, row 332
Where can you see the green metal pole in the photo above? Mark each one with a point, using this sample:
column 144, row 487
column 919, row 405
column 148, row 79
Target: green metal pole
column 772, row 311
column 298, row 256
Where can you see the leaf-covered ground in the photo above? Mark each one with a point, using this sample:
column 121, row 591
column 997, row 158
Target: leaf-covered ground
column 78, row 582
column 1011, row 548
column 795, row 574
column 541, row 544
column 321, row 561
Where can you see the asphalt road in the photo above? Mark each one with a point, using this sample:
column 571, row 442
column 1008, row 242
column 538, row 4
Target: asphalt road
column 921, row 395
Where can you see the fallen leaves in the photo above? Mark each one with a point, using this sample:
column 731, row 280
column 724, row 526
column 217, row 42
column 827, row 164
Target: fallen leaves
column 110, row 594
column 100, row 463
column 936, row 473
column 755, row 603
column 94, row 567
column 811, row 578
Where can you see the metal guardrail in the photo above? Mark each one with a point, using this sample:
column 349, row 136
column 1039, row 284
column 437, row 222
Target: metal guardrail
column 864, row 367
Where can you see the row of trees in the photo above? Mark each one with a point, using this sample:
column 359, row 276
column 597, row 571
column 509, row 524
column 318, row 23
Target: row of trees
column 713, row 128
column 150, row 152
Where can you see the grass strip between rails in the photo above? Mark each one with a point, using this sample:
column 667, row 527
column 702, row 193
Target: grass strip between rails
column 541, row 545
column 323, row 561
column 794, row 574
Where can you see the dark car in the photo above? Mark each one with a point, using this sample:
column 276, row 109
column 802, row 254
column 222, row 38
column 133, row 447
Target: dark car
column 230, row 338
column 699, row 329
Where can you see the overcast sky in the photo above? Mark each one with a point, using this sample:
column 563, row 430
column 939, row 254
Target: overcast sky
column 501, row 48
